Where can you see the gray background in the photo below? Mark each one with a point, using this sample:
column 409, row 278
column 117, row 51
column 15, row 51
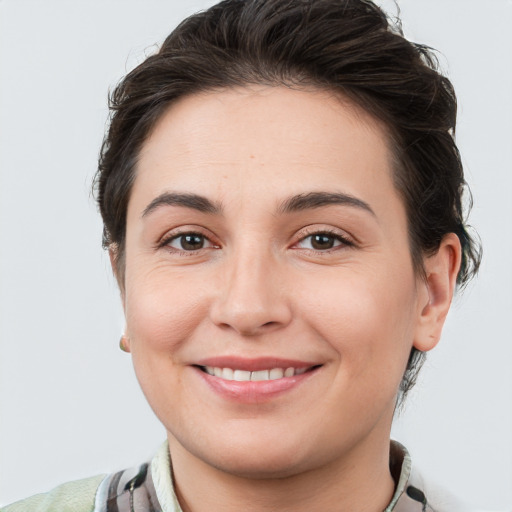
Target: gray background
column 70, row 406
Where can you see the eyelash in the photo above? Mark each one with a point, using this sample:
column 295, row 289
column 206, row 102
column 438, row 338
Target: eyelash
column 344, row 241
column 165, row 242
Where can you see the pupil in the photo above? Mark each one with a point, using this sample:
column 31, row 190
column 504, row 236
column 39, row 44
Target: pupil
column 192, row 242
column 322, row 242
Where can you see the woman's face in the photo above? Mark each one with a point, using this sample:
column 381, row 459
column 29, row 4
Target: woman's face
column 266, row 240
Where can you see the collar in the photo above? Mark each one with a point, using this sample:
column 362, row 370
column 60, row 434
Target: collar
column 149, row 488
column 409, row 495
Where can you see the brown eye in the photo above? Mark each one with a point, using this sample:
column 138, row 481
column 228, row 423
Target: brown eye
column 322, row 242
column 189, row 242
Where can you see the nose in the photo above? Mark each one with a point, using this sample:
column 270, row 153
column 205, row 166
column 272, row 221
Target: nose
column 252, row 298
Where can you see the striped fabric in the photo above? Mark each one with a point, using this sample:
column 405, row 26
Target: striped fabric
column 134, row 490
column 149, row 488
column 131, row 490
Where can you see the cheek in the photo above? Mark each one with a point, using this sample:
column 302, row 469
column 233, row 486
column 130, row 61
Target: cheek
column 161, row 309
column 367, row 319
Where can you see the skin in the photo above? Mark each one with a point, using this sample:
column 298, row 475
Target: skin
column 259, row 286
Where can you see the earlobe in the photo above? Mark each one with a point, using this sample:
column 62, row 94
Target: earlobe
column 124, row 343
column 441, row 271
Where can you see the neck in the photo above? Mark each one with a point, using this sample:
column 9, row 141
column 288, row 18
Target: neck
column 360, row 481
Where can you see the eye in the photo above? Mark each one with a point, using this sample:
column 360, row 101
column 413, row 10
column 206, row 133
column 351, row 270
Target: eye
column 322, row 241
column 189, row 242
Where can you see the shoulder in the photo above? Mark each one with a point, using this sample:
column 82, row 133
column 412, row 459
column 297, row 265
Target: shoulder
column 75, row 496
column 440, row 499
column 414, row 492
column 112, row 492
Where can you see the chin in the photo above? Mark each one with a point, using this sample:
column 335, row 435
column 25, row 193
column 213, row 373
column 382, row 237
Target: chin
column 259, row 466
column 250, row 456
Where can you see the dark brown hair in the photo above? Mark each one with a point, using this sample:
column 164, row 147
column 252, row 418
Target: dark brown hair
column 346, row 46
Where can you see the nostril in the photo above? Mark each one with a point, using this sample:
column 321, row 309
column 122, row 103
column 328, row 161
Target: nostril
column 249, row 318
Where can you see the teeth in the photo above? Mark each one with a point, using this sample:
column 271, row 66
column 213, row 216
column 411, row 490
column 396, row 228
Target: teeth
column 227, row 374
column 241, row 375
column 256, row 376
column 276, row 373
column 260, row 375
column 289, row 372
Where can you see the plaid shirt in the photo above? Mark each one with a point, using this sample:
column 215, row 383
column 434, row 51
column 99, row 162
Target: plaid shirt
column 149, row 488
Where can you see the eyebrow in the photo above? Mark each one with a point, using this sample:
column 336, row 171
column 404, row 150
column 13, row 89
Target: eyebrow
column 320, row 199
column 193, row 201
column 295, row 203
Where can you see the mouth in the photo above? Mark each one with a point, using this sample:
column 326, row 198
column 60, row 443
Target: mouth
column 254, row 380
column 239, row 375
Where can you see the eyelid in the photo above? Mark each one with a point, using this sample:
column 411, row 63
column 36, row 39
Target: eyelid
column 172, row 234
column 207, row 243
column 345, row 239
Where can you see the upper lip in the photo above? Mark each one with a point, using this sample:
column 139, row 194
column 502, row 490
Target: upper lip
column 254, row 364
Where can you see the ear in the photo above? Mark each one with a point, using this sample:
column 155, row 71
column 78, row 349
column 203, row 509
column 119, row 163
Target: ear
column 124, row 343
column 441, row 271
column 114, row 264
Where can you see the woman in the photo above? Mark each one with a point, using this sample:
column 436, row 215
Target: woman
column 281, row 197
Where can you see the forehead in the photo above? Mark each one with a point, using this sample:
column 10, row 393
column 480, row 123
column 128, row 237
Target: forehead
column 273, row 140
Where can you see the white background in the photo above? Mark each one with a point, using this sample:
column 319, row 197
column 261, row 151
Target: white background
column 70, row 406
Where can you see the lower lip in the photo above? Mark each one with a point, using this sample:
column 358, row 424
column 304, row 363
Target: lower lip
column 254, row 391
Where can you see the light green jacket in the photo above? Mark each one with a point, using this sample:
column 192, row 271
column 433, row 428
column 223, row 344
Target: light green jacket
column 149, row 488
column 71, row 497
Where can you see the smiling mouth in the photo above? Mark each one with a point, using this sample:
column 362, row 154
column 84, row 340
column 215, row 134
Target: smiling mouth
column 255, row 376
